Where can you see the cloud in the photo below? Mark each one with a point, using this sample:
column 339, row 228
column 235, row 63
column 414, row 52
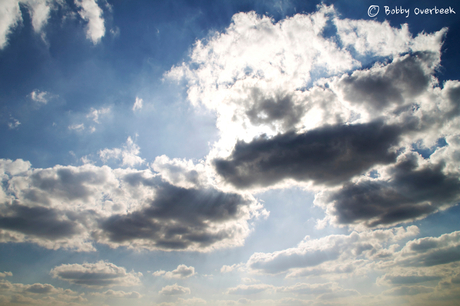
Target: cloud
column 92, row 13
column 39, row 10
column 118, row 294
column 304, row 288
column 407, row 278
column 73, row 207
column 180, row 172
column 5, row 274
column 414, row 189
column 181, row 272
column 191, row 301
column 10, row 15
column 96, row 275
column 295, row 107
column 13, row 123
column 430, row 251
column 94, row 114
column 249, row 289
column 182, row 219
column 174, row 290
column 329, row 155
column 77, row 127
column 226, row 268
column 38, row 294
column 408, row 290
column 128, row 154
column 40, row 96
column 138, row 104
column 330, row 249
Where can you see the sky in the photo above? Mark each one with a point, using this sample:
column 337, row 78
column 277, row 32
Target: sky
column 229, row 152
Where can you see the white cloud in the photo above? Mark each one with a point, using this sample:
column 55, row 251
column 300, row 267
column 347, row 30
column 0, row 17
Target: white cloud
column 92, row 13
column 191, row 301
column 128, row 154
column 118, row 294
column 250, row 289
column 40, row 10
column 77, row 127
column 96, row 275
column 94, row 114
column 174, row 290
column 10, row 16
column 40, row 96
column 330, row 249
column 138, row 104
column 13, row 123
column 5, row 274
column 181, row 272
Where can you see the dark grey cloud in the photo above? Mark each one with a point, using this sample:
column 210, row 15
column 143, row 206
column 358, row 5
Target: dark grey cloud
column 400, row 80
column 37, row 221
column 177, row 218
column 411, row 192
column 328, row 155
column 67, row 182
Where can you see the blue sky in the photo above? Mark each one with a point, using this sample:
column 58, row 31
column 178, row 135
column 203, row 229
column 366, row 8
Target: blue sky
column 229, row 153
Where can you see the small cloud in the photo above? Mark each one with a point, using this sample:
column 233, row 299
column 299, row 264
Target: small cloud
column 14, row 123
column 181, row 272
column 174, row 290
column 40, row 96
column 138, row 104
column 95, row 114
column 92, row 13
column 5, row 274
column 77, row 127
column 128, row 154
column 96, row 275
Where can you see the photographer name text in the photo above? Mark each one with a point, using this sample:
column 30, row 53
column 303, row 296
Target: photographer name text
column 399, row 10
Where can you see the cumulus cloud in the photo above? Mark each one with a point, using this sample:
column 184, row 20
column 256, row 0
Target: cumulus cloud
column 310, row 156
column 96, row 275
column 174, row 290
column 128, row 154
column 73, row 207
column 181, row 272
column 301, row 110
column 5, row 274
column 38, row 294
column 331, row 249
column 92, row 13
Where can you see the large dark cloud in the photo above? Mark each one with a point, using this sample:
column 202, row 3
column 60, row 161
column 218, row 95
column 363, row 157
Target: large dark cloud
column 37, row 221
column 328, row 155
column 412, row 192
column 178, row 218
